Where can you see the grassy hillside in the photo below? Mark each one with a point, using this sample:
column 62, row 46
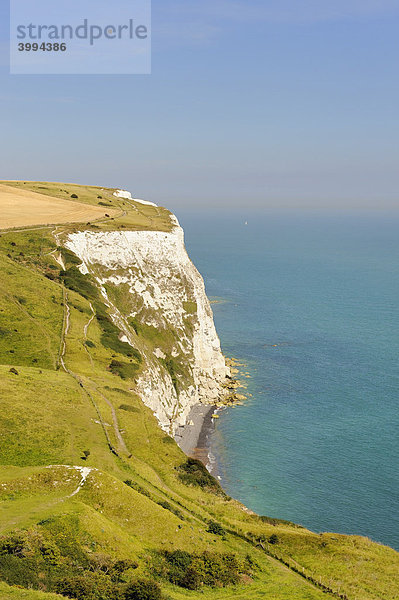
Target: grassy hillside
column 96, row 501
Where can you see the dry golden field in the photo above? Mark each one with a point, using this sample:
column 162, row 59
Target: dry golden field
column 23, row 208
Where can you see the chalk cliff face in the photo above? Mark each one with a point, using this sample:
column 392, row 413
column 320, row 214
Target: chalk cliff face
column 157, row 299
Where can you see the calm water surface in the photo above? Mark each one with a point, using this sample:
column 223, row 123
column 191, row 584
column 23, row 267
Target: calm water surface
column 311, row 308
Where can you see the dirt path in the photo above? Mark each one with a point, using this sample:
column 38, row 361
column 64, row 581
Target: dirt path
column 86, row 327
column 118, row 433
column 67, row 313
column 65, row 329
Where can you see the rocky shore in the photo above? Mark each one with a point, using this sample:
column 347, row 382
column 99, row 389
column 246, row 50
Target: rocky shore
column 194, row 437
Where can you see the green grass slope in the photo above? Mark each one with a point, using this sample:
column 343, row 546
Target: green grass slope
column 94, row 498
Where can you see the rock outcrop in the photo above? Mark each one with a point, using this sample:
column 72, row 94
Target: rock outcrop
column 157, row 298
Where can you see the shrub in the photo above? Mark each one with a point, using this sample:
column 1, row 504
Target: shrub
column 74, row 587
column 90, row 344
column 171, row 366
column 215, row 528
column 88, row 586
column 116, row 389
column 13, row 544
column 52, row 558
column 14, row 371
column 191, row 571
column 137, row 487
column 272, row 521
column 217, row 569
column 191, row 580
column 50, row 276
column 120, row 566
column 123, row 369
column 77, row 282
column 129, row 408
column 134, row 324
column 110, row 336
column 15, row 571
column 193, row 472
column 69, row 257
column 273, row 539
column 180, row 559
column 143, row 589
column 74, row 196
column 171, row 509
column 177, row 564
column 168, row 440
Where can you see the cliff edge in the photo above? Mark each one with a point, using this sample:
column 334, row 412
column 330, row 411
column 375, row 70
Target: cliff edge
column 157, row 299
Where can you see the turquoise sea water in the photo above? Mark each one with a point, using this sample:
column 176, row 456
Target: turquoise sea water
column 311, row 308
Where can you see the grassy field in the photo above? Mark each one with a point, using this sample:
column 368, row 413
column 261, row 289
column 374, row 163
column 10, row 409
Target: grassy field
column 63, row 409
column 22, row 208
column 64, row 201
column 16, row 593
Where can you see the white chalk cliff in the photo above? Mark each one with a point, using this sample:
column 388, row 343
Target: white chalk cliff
column 149, row 284
column 128, row 196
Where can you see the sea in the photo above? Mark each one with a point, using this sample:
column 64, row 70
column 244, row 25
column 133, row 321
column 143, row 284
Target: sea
column 309, row 304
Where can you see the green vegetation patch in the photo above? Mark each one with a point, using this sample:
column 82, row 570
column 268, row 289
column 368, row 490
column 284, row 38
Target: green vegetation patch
column 69, row 258
column 85, row 285
column 193, row 472
column 110, row 336
column 160, row 336
column 82, row 284
column 123, row 369
column 129, row 408
column 172, row 367
column 190, row 307
column 30, row 330
column 143, row 589
column 53, row 557
column 192, row 571
column 45, row 418
column 30, row 248
column 215, row 528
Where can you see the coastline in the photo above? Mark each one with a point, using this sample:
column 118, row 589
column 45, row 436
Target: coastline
column 193, row 437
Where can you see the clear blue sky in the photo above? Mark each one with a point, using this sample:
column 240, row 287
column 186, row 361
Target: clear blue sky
column 263, row 103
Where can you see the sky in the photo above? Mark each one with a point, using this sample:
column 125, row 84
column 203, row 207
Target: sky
column 267, row 104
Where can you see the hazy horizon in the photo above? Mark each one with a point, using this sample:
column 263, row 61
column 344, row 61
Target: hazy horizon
column 261, row 105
